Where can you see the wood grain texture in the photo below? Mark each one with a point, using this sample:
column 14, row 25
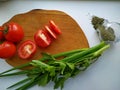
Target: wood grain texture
column 72, row 36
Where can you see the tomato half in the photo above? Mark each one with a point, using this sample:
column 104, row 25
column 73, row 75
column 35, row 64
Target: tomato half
column 54, row 27
column 13, row 32
column 50, row 31
column 7, row 49
column 42, row 38
column 27, row 49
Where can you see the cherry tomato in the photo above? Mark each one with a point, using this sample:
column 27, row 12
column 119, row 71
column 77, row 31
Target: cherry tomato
column 27, row 49
column 42, row 38
column 50, row 32
column 55, row 27
column 1, row 33
column 7, row 49
column 13, row 32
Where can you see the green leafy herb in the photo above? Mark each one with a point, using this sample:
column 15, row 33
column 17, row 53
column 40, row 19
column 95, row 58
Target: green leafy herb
column 43, row 79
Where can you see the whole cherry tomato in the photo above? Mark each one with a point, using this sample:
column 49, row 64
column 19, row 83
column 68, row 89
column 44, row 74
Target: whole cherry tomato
column 42, row 38
column 27, row 49
column 13, row 32
column 1, row 33
column 7, row 49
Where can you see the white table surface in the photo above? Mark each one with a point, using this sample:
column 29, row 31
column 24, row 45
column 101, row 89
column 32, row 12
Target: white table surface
column 103, row 74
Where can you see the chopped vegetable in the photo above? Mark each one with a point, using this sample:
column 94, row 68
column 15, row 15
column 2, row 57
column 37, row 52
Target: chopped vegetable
column 58, row 71
column 7, row 49
column 42, row 38
column 27, row 49
column 51, row 32
column 54, row 27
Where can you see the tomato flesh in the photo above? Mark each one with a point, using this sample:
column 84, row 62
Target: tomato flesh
column 14, row 32
column 42, row 38
column 7, row 49
column 54, row 27
column 27, row 49
column 48, row 29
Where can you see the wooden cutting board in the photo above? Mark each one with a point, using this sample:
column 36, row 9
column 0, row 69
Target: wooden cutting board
column 72, row 36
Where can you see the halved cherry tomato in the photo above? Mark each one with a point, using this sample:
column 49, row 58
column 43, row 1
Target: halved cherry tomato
column 50, row 32
column 27, row 49
column 7, row 49
column 54, row 27
column 42, row 38
column 13, row 32
column 1, row 33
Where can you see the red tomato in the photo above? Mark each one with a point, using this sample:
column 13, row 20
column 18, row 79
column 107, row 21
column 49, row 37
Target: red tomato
column 13, row 32
column 27, row 49
column 7, row 49
column 42, row 38
column 55, row 27
column 50, row 32
column 1, row 33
